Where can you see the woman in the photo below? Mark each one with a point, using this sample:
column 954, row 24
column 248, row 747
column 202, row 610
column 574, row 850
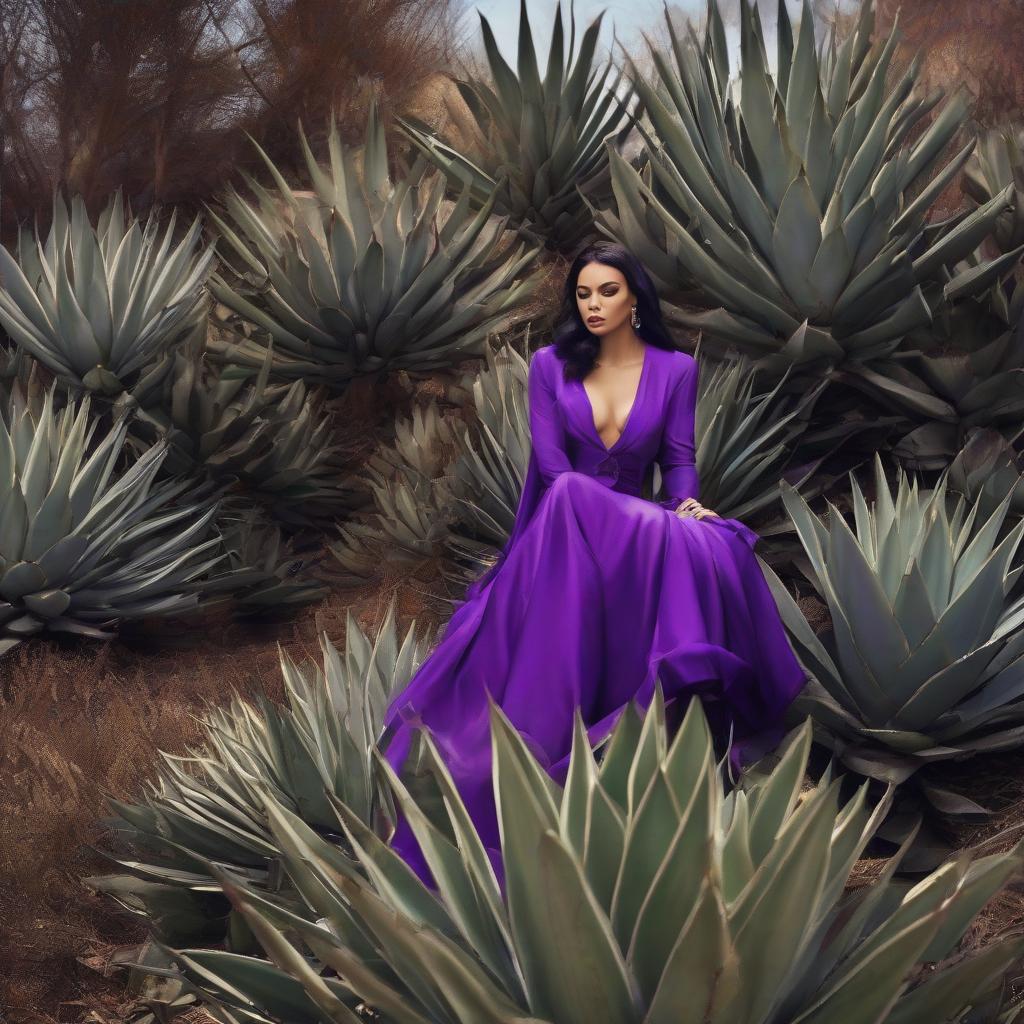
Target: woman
column 599, row 593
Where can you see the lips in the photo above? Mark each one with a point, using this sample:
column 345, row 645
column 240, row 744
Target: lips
column 595, row 319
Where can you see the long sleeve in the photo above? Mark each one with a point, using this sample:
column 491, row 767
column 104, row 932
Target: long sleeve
column 547, row 432
column 677, row 453
column 548, row 459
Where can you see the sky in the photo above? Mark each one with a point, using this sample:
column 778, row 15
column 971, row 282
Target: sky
column 630, row 18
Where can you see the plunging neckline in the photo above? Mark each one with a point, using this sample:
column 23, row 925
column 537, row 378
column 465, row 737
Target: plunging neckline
column 632, row 408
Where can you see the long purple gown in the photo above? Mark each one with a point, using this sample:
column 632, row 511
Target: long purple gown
column 597, row 594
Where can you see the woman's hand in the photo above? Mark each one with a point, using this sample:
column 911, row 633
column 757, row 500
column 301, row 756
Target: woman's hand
column 692, row 507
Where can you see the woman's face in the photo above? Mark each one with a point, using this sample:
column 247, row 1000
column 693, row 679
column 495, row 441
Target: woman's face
column 602, row 292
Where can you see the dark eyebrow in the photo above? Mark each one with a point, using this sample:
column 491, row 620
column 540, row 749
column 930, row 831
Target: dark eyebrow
column 601, row 285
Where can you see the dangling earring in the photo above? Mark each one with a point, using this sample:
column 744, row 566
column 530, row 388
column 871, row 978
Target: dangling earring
column 634, row 319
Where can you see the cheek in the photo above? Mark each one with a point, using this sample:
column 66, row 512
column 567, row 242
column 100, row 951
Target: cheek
column 617, row 305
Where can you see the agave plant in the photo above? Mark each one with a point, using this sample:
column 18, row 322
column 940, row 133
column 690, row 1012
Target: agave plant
column 924, row 660
column 273, row 441
column 409, row 521
column 794, row 203
column 639, row 891
column 365, row 274
column 207, row 806
column 81, row 547
column 971, row 358
column 482, row 487
column 99, row 304
column 998, row 162
column 443, row 489
column 745, row 442
column 985, row 470
column 971, row 355
column 535, row 143
column 264, row 576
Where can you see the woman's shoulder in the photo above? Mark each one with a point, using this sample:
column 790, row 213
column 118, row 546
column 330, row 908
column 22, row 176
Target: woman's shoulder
column 682, row 363
column 683, row 359
column 539, row 368
column 544, row 356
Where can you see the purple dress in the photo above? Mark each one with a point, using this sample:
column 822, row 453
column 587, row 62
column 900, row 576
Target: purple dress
column 597, row 594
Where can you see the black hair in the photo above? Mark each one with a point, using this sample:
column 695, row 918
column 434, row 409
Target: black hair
column 574, row 343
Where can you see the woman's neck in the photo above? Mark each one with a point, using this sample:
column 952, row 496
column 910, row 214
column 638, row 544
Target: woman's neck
column 621, row 347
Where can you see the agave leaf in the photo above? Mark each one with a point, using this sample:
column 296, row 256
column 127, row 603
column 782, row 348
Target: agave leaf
column 934, row 995
column 674, row 888
column 768, row 920
column 288, row 958
column 857, row 994
column 701, row 976
column 253, row 983
column 565, row 912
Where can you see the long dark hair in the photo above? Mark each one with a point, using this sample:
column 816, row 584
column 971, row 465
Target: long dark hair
column 574, row 344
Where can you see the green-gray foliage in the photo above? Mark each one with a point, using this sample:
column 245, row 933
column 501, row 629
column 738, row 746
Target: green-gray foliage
column 263, row 574
column 972, row 353
column 99, row 304
column 273, row 441
column 924, row 660
column 986, row 469
column 366, row 273
column 639, row 892
column 971, row 358
column 207, row 806
column 409, row 521
column 536, row 143
column 998, row 161
column 485, row 479
column 745, row 441
column 82, row 546
column 793, row 201
column 444, row 488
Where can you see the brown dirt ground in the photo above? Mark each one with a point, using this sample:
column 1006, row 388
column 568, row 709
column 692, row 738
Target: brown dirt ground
column 78, row 719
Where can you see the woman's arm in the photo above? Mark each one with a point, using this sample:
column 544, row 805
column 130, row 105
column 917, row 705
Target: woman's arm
column 547, row 432
column 677, row 454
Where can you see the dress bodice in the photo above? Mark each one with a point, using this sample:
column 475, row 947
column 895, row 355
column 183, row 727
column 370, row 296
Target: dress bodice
column 659, row 427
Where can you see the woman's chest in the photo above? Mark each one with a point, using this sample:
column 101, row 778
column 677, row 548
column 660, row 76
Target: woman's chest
column 638, row 424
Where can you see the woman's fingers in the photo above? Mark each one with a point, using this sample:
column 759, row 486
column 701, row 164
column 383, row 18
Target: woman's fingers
column 695, row 509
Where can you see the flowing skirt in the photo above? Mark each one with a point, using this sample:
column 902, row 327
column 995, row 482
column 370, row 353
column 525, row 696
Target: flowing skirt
column 601, row 596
